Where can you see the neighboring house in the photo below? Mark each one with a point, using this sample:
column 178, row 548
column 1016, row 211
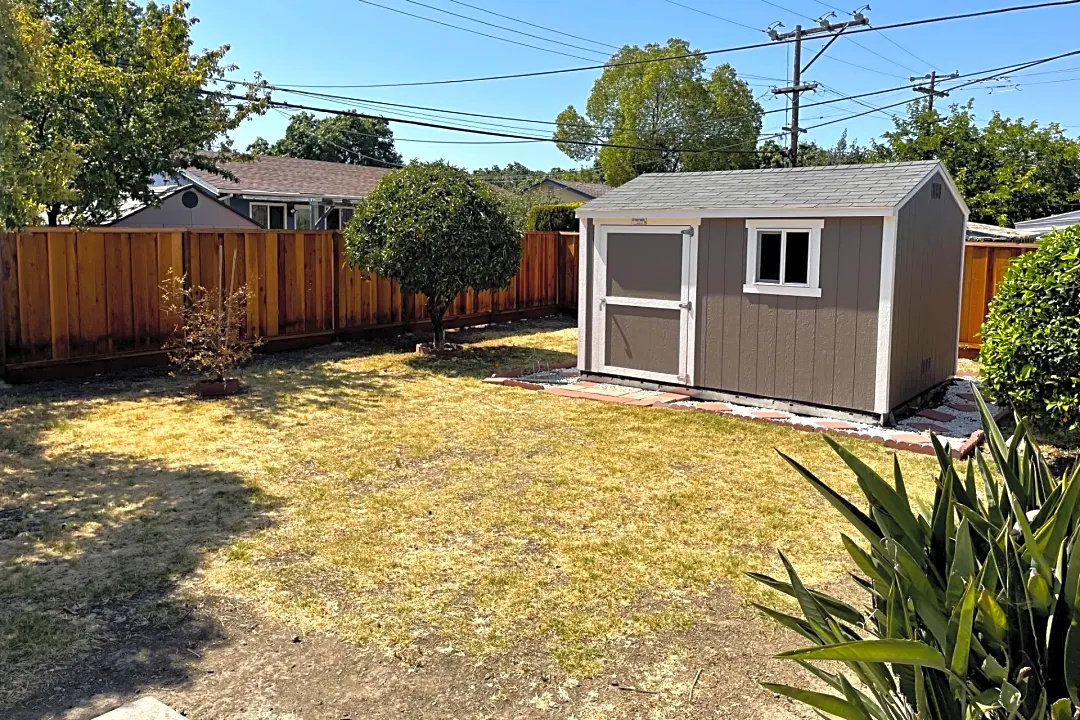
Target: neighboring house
column 1041, row 226
column 834, row 290
column 283, row 193
column 181, row 206
column 980, row 232
column 570, row 191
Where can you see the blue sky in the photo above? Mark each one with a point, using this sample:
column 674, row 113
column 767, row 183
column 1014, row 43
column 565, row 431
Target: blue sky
column 348, row 42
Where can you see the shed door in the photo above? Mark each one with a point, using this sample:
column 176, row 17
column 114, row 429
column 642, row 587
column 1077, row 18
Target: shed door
column 643, row 316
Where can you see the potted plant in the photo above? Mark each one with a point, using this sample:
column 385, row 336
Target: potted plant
column 208, row 337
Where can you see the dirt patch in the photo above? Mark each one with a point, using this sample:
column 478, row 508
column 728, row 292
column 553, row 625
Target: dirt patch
column 221, row 660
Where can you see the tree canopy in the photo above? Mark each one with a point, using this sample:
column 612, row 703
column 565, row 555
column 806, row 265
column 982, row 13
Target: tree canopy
column 686, row 119
column 1007, row 170
column 350, row 139
column 436, row 230
column 118, row 84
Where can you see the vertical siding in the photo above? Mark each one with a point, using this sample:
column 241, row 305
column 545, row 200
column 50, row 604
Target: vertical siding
column 929, row 242
column 812, row 350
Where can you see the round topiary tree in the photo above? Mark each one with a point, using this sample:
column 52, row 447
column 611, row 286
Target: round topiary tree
column 436, row 230
column 1031, row 339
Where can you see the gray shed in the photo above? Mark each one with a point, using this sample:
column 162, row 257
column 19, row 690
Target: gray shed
column 829, row 289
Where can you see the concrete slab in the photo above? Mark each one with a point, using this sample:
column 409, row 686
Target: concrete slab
column 146, row 708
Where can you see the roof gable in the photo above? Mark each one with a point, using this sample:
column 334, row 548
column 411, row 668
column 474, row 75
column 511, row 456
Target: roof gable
column 879, row 186
column 587, row 190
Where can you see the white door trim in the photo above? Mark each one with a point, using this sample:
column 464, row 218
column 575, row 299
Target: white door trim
column 685, row 304
column 883, row 361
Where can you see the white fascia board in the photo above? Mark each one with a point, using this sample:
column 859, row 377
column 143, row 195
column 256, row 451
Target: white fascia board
column 886, row 294
column 200, row 183
column 629, row 214
column 294, row 197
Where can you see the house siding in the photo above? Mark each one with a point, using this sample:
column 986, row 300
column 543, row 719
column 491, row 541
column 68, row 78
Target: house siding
column 820, row 351
column 926, row 313
column 209, row 213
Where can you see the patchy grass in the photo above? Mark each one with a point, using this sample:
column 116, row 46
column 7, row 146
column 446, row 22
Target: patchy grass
column 396, row 501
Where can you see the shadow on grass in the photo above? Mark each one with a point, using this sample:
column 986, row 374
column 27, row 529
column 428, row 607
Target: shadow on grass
column 92, row 549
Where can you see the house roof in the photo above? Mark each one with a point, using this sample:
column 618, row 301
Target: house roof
column 587, row 190
column 833, row 187
column 271, row 175
column 1041, row 226
column 982, row 231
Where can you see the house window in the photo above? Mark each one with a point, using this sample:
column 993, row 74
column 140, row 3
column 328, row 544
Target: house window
column 302, row 217
column 783, row 257
column 336, row 217
column 270, row 215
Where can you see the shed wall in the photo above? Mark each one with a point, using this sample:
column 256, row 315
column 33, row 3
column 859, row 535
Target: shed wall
column 926, row 309
column 810, row 350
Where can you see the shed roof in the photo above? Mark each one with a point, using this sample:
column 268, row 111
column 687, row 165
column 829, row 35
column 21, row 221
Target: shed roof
column 832, row 187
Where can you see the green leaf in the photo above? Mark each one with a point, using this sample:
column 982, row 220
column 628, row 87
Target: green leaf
column 833, row 606
column 993, row 670
column 963, row 565
column 863, row 560
column 907, row 652
column 862, row 522
column 961, row 651
column 1071, row 661
column 992, row 618
column 791, row 622
column 830, row 704
column 1061, row 710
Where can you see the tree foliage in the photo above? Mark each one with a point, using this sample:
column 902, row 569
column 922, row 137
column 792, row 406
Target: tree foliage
column 119, row 84
column 1030, row 354
column 31, row 174
column 1007, row 170
column 436, row 230
column 774, row 155
column 671, row 106
column 350, row 139
column 520, row 177
column 972, row 604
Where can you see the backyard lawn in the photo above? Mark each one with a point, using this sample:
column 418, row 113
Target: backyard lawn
column 417, row 538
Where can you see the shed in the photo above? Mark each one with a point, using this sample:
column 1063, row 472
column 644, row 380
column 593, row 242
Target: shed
column 833, row 290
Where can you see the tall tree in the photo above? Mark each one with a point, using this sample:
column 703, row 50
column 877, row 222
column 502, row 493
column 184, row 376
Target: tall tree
column 844, row 152
column 122, row 85
column 1008, row 170
column 685, row 119
column 31, row 174
column 349, row 139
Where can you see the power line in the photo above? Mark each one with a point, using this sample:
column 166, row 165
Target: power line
column 716, row 17
column 928, row 64
column 474, row 32
column 503, row 27
column 539, row 27
column 707, row 53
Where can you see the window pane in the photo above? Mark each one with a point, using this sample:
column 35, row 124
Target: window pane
column 346, row 216
column 333, row 220
column 277, row 217
column 769, row 257
column 797, row 267
column 302, row 218
column 258, row 214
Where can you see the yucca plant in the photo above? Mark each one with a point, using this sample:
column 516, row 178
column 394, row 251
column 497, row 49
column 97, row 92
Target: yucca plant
column 973, row 608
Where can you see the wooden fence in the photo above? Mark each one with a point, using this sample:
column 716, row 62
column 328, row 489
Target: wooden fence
column 76, row 302
column 985, row 264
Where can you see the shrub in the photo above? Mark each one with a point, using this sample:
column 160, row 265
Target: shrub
column 435, row 230
column 209, row 334
column 550, row 218
column 973, row 607
column 1031, row 339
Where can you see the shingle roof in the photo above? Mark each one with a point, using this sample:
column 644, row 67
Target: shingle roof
column 982, row 231
column 878, row 185
column 588, row 189
column 292, row 176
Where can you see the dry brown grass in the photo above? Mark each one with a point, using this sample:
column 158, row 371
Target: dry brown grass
column 388, row 499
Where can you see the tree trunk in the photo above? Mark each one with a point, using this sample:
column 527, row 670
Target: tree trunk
column 436, row 310
column 53, row 213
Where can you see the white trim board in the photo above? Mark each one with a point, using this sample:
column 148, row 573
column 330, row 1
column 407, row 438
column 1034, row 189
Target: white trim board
column 812, row 288
column 886, row 295
column 626, row 216
column 583, row 292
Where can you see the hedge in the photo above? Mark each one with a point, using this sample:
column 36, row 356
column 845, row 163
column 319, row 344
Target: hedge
column 551, row 218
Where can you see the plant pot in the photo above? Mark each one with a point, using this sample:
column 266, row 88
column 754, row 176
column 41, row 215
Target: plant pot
column 449, row 350
column 217, row 388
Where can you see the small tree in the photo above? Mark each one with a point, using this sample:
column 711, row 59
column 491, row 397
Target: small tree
column 438, row 231
column 1031, row 338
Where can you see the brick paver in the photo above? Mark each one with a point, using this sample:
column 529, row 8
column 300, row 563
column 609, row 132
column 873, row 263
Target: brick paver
column 937, row 415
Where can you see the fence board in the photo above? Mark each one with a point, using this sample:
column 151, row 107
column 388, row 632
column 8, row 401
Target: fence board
column 985, row 265
column 82, row 298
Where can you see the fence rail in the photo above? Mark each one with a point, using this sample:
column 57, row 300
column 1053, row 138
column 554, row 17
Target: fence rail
column 985, row 264
column 82, row 301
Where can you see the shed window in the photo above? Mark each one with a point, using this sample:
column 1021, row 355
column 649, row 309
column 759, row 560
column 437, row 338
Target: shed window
column 783, row 256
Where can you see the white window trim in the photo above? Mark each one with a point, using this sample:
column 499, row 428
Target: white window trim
column 687, row 303
column 813, row 286
column 284, row 213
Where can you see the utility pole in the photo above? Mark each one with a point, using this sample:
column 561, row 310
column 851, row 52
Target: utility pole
column 932, row 91
column 797, row 86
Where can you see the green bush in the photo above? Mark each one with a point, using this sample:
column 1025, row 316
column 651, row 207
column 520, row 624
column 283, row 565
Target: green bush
column 550, row 218
column 1031, row 339
column 973, row 607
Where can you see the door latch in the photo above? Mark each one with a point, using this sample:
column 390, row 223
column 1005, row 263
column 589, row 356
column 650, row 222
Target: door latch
column 686, row 305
